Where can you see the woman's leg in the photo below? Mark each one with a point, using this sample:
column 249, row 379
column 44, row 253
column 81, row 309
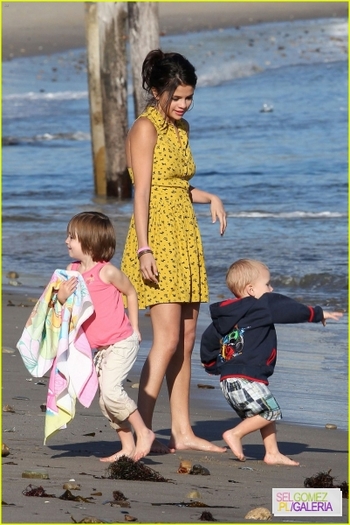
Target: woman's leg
column 178, row 377
column 166, row 320
column 174, row 330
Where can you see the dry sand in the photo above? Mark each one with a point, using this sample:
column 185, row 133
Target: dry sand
column 231, row 490
column 35, row 28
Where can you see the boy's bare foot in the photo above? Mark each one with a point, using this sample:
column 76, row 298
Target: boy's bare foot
column 114, row 457
column 235, row 444
column 280, row 459
column 143, row 444
column 193, row 442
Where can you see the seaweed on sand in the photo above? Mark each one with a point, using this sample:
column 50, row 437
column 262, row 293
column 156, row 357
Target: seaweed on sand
column 126, row 468
column 207, row 516
column 325, row 480
column 37, row 492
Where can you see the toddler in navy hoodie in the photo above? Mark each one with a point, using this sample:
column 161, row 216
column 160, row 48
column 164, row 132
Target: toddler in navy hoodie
column 240, row 345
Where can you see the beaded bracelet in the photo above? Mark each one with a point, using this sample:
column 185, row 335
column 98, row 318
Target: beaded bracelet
column 143, row 248
column 143, row 252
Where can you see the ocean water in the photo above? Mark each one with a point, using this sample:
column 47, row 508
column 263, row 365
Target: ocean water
column 269, row 135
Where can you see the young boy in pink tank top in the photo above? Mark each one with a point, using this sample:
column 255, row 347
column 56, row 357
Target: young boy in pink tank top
column 91, row 241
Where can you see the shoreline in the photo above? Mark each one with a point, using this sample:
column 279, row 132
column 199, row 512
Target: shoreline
column 36, row 28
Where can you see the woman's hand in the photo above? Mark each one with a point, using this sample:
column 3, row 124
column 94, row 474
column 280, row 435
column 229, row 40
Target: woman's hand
column 148, row 268
column 66, row 289
column 217, row 211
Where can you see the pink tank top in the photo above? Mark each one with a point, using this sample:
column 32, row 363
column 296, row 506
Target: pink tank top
column 109, row 322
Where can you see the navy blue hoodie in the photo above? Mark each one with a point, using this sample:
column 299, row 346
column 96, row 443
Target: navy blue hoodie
column 241, row 341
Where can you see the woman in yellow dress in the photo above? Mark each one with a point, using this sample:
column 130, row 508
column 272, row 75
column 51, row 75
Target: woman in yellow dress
column 163, row 255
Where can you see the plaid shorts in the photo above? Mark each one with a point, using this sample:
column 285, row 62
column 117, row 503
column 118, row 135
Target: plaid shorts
column 250, row 398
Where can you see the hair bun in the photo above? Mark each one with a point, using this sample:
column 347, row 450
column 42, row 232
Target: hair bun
column 151, row 59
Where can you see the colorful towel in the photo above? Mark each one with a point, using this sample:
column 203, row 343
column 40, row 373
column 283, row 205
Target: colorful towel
column 54, row 338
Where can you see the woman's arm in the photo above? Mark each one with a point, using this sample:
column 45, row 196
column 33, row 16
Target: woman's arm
column 217, row 209
column 141, row 141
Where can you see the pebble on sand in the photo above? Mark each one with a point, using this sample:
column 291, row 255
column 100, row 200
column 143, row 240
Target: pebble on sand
column 5, row 451
column 260, row 513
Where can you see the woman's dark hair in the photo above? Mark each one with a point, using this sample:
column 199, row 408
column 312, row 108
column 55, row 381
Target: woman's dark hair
column 164, row 72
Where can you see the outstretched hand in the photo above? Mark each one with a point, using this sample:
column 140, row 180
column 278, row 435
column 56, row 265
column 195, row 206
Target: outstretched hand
column 217, row 211
column 331, row 315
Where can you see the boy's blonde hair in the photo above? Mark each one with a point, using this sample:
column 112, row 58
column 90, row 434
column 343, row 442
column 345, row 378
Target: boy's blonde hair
column 241, row 273
column 95, row 233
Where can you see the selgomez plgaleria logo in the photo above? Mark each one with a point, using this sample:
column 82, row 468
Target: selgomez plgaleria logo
column 307, row 502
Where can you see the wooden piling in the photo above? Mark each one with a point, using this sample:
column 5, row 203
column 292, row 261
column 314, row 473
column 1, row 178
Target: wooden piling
column 95, row 98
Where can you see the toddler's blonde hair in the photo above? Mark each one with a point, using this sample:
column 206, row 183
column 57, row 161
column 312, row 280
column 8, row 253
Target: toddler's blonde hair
column 241, row 273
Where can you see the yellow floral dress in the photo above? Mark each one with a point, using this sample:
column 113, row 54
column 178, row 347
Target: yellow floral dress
column 173, row 232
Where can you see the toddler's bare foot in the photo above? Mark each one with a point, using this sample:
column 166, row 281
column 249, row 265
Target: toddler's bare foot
column 114, row 457
column 235, row 444
column 280, row 459
column 143, row 444
column 192, row 442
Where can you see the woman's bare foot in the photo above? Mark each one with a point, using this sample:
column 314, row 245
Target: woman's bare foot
column 235, row 444
column 280, row 459
column 143, row 444
column 192, row 442
column 114, row 457
column 158, row 448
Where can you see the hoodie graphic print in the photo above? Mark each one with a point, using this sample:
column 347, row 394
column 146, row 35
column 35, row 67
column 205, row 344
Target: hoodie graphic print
column 241, row 341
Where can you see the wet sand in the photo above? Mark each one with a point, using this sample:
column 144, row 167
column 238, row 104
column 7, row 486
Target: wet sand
column 231, row 490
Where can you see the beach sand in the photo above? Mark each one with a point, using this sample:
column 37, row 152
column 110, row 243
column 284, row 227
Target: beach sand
column 232, row 488
column 36, row 28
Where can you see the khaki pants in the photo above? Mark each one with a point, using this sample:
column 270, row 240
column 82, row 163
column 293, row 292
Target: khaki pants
column 113, row 365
